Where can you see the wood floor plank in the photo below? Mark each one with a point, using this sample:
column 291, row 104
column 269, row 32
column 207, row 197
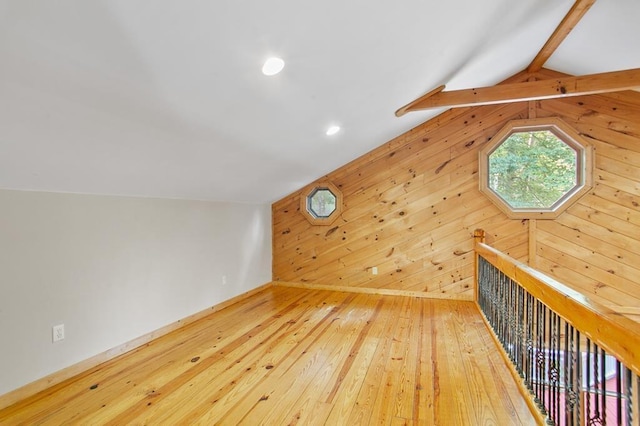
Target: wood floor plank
column 229, row 377
column 300, row 356
column 454, row 402
column 290, row 376
column 210, row 363
column 425, row 373
column 321, row 382
column 132, row 376
column 366, row 398
column 397, row 397
column 255, row 389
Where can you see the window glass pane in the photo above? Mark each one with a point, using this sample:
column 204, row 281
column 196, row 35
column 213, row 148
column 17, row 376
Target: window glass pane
column 533, row 169
column 321, row 203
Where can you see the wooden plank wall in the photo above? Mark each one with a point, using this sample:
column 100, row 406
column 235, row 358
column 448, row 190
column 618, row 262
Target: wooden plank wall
column 595, row 245
column 411, row 205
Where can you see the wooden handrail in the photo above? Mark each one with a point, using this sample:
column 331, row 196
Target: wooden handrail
column 617, row 334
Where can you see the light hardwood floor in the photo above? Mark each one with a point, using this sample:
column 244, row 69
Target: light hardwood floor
column 289, row 356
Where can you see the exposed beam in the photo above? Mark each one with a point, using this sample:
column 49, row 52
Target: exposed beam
column 529, row 90
column 574, row 86
column 577, row 11
column 402, row 111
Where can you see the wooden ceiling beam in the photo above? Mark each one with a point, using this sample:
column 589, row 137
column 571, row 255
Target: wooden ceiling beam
column 571, row 19
column 402, row 111
column 527, row 91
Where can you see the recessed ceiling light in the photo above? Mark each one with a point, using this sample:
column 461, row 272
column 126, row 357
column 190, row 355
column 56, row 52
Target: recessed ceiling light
column 273, row 66
column 333, row 130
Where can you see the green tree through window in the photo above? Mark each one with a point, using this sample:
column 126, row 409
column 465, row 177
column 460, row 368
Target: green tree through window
column 532, row 169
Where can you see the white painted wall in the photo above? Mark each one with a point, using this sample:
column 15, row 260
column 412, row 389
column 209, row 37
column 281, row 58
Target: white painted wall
column 114, row 268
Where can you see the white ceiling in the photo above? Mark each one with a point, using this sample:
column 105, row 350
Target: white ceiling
column 165, row 98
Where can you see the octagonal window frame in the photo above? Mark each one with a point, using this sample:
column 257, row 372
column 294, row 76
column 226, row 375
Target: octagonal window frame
column 307, row 210
column 311, row 201
column 564, row 132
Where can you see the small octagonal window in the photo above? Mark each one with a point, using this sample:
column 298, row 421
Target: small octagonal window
column 535, row 168
column 322, row 203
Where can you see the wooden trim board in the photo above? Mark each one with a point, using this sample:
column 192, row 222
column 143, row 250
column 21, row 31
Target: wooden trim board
column 53, row 379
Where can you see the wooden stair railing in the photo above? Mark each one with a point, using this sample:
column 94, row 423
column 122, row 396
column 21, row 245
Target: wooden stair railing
column 578, row 360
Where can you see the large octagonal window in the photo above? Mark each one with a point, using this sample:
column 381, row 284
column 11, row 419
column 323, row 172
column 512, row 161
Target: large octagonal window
column 535, row 168
column 322, row 203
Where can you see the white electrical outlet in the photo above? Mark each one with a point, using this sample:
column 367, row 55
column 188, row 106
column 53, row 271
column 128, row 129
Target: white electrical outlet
column 224, row 280
column 58, row 332
column 374, row 270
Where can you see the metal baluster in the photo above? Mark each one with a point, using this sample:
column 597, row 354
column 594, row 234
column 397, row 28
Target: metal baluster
column 498, row 305
column 549, row 336
column 550, row 370
column 540, row 357
column 518, row 321
column 488, row 292
column 507, row 315
column 567, row 371
column 495, row 284
column 578, row 376
column 505, row 312
column 558, row 366
column 484, row 280
column 521, row 330
column 596, row 381
column 504, row 301
column 529, row 363
column 532, row 350
column 543, row 357
column 513, row 323
column 588, row 384
column 637, row 396
column 482, row 283
column 618, row 392
column 536, row 346
column 603, row 375
column 489, row 280
column 628, row 396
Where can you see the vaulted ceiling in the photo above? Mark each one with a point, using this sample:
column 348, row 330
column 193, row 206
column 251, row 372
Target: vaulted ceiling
column 165, row 98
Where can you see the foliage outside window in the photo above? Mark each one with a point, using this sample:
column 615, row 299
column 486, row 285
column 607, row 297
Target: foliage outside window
column 535, row 168
column 321, row 204
column 532, row 169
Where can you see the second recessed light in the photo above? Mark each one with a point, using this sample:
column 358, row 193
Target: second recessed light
column 333, row 130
